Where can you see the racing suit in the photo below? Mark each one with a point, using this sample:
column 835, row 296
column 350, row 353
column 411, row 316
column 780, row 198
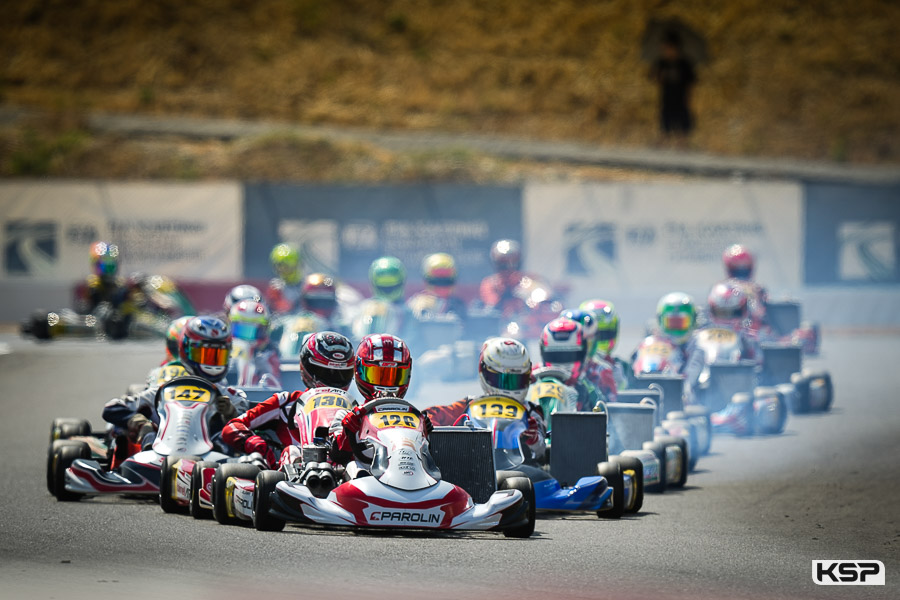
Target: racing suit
column 262, row 369
column 275, row 413
column 497, row 289
column 601, row 371
column 534, row 436
column 282, row 298
column 98, row 290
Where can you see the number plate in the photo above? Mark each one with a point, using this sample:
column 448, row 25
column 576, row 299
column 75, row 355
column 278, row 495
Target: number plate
column 721, row 336
column 170, row 372
column 496, row 407
column 394, row 419
column 186, row 393
column 326, row 401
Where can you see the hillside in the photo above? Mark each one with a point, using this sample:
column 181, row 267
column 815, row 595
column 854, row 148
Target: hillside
column 816, row 80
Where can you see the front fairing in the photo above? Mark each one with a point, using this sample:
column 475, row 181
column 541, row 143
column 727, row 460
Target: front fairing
column 397, row 437
column 507, row 419
column 184, row 405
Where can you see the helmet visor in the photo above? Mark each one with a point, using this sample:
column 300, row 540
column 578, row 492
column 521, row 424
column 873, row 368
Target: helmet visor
column 247, row 331
column 212, row 356
column 563, row 357
column 383, row 376
column 740, row 272
column 392, row 292
column 676, row 322
column 506, row 381
column 106, row 267
column 604, row 335
column 330, row 376
column 320, row 303
column 441, row 281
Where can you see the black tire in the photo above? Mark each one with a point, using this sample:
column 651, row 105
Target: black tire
column 167, row 484
column 631, row 463
column 51, row 452
column 239, row 470
column 685, row 456
column 701, row 411
column 197, row 511
column 828, row 390
column 660, row 451
column 800, row 405
column 760, row 424
column 63, row 429
column 524, row 485
column 612, row 472
column 504, row 475
column 262, row 501
column 63, row 459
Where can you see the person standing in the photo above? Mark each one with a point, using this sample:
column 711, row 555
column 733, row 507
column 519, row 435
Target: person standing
column 675, row 75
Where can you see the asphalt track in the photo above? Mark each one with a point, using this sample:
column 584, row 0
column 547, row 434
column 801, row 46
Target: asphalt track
column 748, row 524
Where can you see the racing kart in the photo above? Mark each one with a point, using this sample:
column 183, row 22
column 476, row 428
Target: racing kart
column 654, row 451
column 400, row 487
column 531, row 304
column 783, row 326
column 614, row 488
column 226, row 491
column 184, row 405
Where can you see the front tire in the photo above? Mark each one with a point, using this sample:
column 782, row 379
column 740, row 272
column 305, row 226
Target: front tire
column 669, row 440
column 197, row 511
column 167, row 477
column 631, row 463
column 262, row 501
column 612, row 472
column 219, row 487
column 63, row 459
column 524, row 485
column 659, row 450
column 63, row 429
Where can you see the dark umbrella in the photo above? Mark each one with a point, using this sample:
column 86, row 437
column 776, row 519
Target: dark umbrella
column 692, row 44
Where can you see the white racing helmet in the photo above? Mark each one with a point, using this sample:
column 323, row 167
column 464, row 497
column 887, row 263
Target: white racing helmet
column 504, row 368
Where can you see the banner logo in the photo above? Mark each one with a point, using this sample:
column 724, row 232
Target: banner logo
column 30, row 247
column 867, row 251
column 848, row 572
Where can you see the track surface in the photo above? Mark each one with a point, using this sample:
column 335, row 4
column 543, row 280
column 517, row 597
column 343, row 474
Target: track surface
column 747, row 526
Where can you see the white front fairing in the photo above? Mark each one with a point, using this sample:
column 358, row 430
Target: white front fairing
column 183, row 429
column 719, row 345
column 404, row 470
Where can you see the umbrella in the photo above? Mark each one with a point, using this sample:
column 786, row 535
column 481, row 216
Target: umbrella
column 693, row 46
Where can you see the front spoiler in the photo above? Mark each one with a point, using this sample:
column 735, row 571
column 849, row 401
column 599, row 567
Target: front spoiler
column 295, row 503
column 133, row 478
column 588, row 493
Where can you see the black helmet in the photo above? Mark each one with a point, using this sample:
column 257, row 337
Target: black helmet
column 327, row 360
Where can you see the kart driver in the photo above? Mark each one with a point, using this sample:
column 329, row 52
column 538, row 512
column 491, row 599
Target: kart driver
column 102, row 284
column 283, row 295
column 564, row 349
column 599, row 367
column 250, row 327
column 504, row 369
column 438, row 298
column 203, row 350
column 497, row 289
column 739, row 265
column 326, row 364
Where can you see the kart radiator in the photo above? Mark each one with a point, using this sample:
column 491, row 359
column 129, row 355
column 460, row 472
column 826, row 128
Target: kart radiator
column 672, row 387
column 630, row 425
column 579, row 443
column 783, row 317
column 779, row 363
column 465, row 458
column 728, row 379
column 635, row 396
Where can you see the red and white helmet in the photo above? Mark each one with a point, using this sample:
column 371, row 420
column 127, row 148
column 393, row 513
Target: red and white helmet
column 504, row 367
column 738, row 262
column 383, row 366
column 326, row 360
column 563, row 345
column 728, row 303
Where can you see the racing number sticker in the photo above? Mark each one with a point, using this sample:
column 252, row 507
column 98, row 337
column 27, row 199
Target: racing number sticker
column 497, row 408
column 722, row 336
column 395, row 419
column 326, row 401
column 186, row 393
column 170, row 372
column 548, row 389
column 656, row 349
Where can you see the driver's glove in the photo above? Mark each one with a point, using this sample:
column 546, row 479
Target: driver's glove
column 352, row 421
column 426, row 421
column 254, row 443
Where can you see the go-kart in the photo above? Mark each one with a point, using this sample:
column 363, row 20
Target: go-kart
column 400, row 487
column 184, row 405
column 653, row 453
column 531, row 304
column 783, row 326
column 614, row 489
column 226, row 491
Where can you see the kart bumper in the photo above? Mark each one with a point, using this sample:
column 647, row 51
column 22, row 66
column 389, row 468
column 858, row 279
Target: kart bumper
column 134, row 478
column 588, row 493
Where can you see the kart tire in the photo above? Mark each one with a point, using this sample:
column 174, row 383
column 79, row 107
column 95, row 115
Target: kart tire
column 167, row 484
column 829, row 389
column 40, row 326
column 504, row 475
column 744, row 402
column 51, row 452
column 62, row 460
column 701, row 411
column 800, row 405
column 197, row 511
column 262, row 501
column 524, row 485
column 631, row 463
column 660, row 451
column 760, row 424
column 612, row 472
column 63, row 429
column 219, row 481
column 668, row 440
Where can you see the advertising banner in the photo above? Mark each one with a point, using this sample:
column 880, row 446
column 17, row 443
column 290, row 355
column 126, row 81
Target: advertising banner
column 342, row 229
column 185, row 231
column 852, row 235
column 627, row 240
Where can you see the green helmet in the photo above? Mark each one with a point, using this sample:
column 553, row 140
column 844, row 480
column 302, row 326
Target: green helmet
column 286, row 263
column 606, row 320
column 676, row 316
column 388, row 278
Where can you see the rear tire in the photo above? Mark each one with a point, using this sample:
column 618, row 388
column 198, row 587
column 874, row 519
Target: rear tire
column 669, row 440
column 51, row 453
column 63, row 459
column 631, row 463
column 167, row 476
column 702, row 412
column 612, row 472
column 197, row 511
column 660, row 451
column 220, row 479
column 524, row 485
column 262, row 501
column 800, row 404
column 765, row 424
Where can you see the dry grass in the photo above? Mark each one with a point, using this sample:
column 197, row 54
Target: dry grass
column 817, row 79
